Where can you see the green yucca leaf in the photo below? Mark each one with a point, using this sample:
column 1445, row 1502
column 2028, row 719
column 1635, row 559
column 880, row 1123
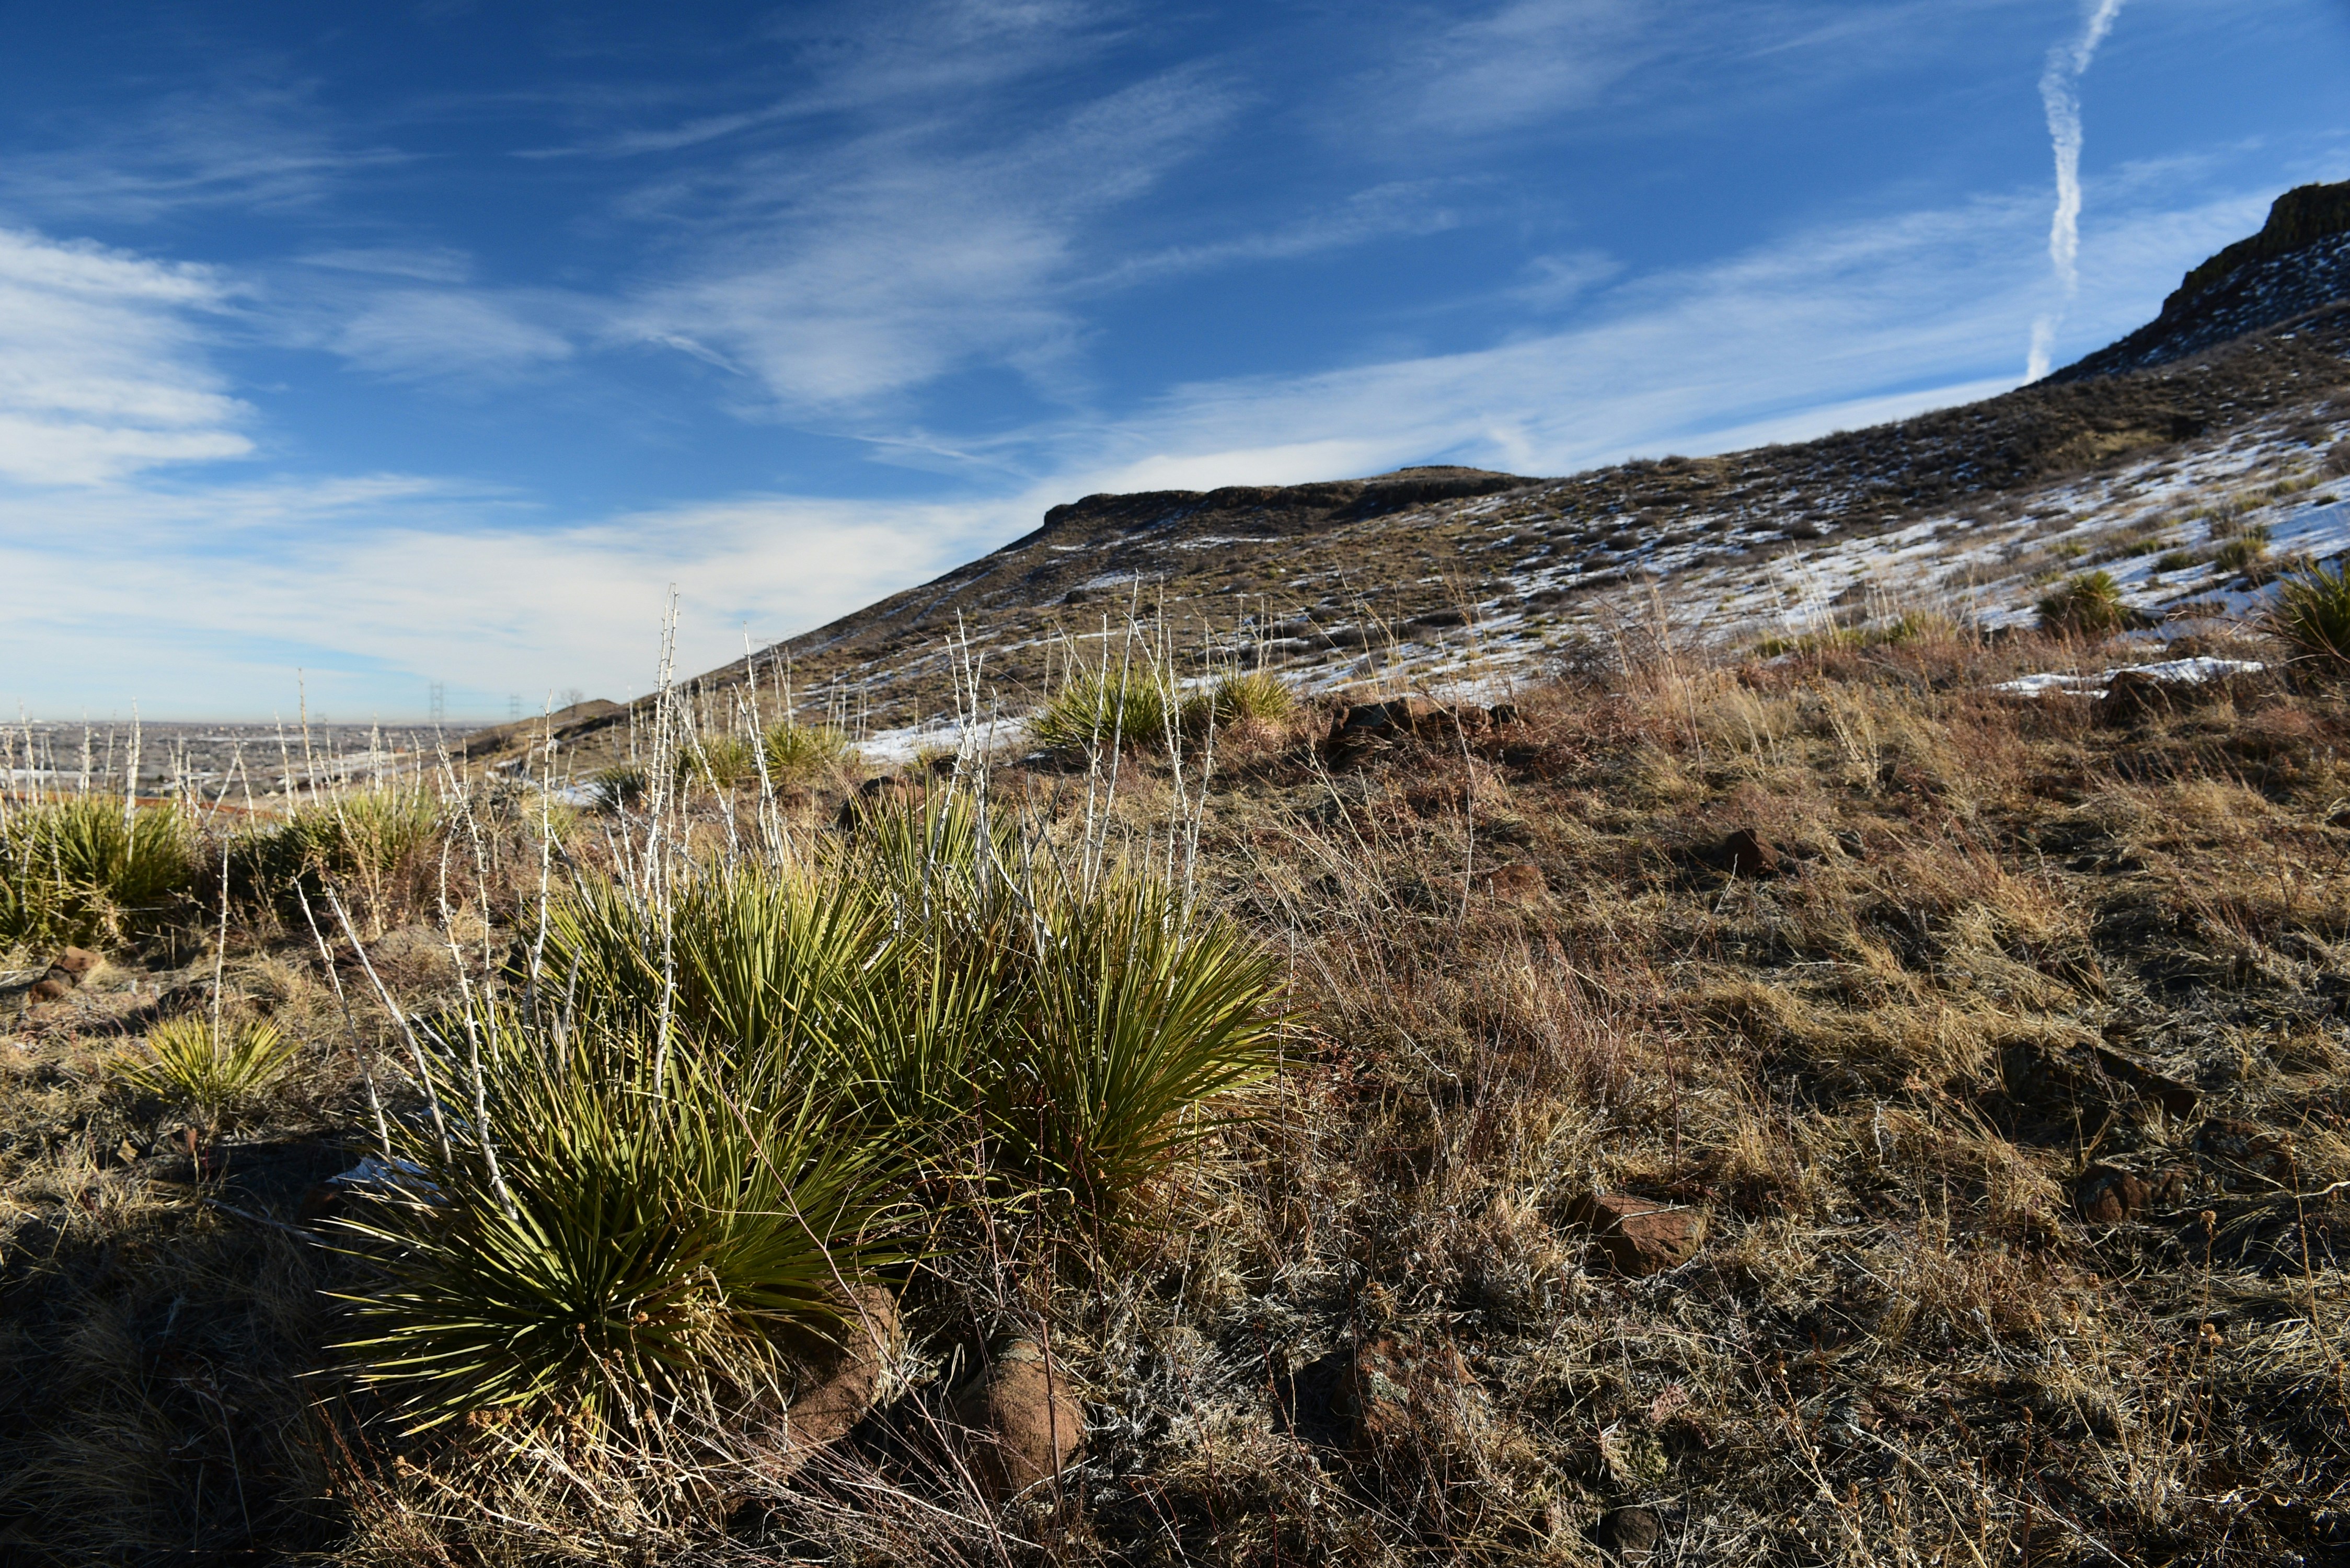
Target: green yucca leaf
column 1140, row 1011
column 214, row 1072
column 643, row 1243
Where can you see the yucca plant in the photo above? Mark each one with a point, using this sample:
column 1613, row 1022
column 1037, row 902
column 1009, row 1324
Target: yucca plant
column 796, row 751
column 214, row 1072
column 82, row 869
column 1258, row 696
column 1138, row 1011
column 1106, row 709
column 371, row 842
column 619, row 787
column 718, row 762
column 757, row 957
column 2312, row 614
column 2088, row 604
column 610, row 1246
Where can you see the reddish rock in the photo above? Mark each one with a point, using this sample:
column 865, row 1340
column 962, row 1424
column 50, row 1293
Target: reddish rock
column 1747, row 853
column 1637, row 1237
column 1025, row 1420
column 74, row 963
column 48, row 988
column 1519, row 883
column 1396, row 1392
column 842, row 1384
column 323, row 1201
column 2108, row 1194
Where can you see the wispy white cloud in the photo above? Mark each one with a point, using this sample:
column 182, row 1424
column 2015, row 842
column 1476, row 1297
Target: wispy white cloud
column 1526, row 61
column 1383, row 211
column 906, row 256
column 421, row 263
column 376, row 586
column 869, row 59
column 448, row 335
column 103, row 364
column 257, row 146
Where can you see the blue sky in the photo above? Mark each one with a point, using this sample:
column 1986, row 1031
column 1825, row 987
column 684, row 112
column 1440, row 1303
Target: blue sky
column 433, row 342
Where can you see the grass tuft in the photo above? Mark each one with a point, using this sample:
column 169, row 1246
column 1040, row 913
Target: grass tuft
column 2312, row 613
column 2088, row 604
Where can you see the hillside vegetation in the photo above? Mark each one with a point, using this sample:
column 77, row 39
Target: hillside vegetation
column 1977, row 1059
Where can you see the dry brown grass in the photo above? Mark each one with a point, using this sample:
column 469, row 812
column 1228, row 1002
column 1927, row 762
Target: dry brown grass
column 2005, row 935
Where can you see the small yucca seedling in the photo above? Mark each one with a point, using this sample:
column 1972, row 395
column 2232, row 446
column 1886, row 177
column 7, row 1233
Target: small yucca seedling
column 796, row 751
column 2312, row 613
column 213, row 1074
column 2088, row 605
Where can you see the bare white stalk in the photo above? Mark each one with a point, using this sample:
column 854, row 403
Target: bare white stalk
column 350, row 1021
column 131, row 777
column 415, row 1047
column 484, row 1138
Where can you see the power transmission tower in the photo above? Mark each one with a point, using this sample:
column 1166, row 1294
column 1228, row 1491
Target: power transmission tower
column 439, row 704
column 514, row 706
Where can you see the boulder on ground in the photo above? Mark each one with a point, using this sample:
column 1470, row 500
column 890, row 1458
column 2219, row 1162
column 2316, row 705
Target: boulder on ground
column 1629, row 1532
column 1398, row 1391
column 1637, row 1237
column 1746, row 853
column 1384, row 720
column 1025, row 1420
column 844, row 1383
column 74, row 964
column 2108, row 1194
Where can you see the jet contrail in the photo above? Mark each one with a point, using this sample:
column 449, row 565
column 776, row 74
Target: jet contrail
column 2059, row 85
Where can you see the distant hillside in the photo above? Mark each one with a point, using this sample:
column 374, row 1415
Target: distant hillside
column 1414, row 571
column 2299, row 262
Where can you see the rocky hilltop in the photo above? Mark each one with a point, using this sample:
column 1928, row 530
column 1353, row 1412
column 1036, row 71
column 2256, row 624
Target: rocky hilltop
column 2299, row 262
column 1421, row 574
